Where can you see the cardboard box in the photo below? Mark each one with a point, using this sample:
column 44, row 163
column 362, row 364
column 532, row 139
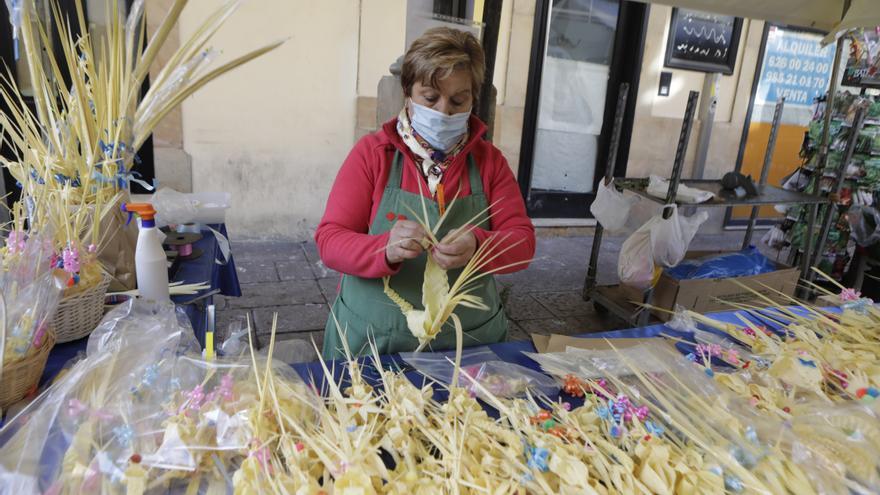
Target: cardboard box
column 714, row 294
column 561, row 343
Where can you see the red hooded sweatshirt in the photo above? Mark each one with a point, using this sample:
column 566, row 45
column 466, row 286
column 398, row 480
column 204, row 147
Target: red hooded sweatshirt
column 342, row 238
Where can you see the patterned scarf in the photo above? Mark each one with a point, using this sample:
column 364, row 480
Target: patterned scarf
column 433, row 162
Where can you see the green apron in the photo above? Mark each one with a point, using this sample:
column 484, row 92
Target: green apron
column 363, row 310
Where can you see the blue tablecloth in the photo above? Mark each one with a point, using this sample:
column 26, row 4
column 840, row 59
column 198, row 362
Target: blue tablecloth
column 512, row 352
column 202, row 269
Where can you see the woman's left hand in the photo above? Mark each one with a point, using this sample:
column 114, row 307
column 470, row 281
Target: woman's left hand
column 455, row 253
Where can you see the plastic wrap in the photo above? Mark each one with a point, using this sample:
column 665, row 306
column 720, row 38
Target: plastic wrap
column 137, row 408
column 754, row 452
column 660, row 241
column 482, row 366
column 611, row 207
column 743, row 263
column 659, row 187
column 671, row 237
column 31, row 293
column 864, row 224
column 635, row 264
column 172, row 207
column 774, row 237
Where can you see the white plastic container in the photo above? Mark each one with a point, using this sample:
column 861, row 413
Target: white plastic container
column 149, row 257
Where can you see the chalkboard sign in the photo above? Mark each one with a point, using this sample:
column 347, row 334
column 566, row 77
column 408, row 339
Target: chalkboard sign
column 702, row 41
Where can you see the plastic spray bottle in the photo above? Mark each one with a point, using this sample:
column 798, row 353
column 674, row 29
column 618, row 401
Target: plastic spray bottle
column 149, row 257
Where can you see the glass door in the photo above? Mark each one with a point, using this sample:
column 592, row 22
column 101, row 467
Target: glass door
column 575, row 71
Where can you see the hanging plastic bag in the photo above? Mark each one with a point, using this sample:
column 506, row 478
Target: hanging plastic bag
column 671, row 237
column 774, row 237
column 864, row 222
column 611, row 207
column 635, row 266
column 660, row 241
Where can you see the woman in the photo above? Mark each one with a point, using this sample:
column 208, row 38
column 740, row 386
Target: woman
column 435, row 144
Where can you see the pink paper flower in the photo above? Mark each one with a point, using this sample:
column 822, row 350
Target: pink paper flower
column 16, row 242
column 225, row 388
column 70, row 256
column 75, row 408
column 850, row 295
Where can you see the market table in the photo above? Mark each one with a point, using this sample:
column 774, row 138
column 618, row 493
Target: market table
column 222, row 279
column 512, row 352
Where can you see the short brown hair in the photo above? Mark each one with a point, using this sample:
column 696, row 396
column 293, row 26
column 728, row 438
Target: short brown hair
column 439, row 52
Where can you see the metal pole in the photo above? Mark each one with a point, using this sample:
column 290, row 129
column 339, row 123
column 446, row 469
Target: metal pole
column 681, row 150
column 765, row 169
column 610, row 165
column 841, row 173
column 823, row 155
column 680, row 153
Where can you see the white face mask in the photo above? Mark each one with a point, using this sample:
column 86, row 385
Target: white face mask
column 441, row 131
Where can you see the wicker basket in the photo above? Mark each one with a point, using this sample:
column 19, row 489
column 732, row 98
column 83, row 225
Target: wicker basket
column 79, row 314
column 21, row 377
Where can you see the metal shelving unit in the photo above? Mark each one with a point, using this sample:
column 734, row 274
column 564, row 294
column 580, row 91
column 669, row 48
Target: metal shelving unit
column 618, row 300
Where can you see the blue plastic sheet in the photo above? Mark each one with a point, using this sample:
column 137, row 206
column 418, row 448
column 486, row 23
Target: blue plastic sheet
column 743, row 263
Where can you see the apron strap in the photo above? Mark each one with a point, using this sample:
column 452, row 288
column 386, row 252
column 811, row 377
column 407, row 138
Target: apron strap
column 396, row 172
column 474, row 176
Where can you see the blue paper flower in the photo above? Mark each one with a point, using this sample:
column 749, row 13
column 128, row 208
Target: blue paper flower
column 654, row 429
column 807, row 362
column 733, row 484
column 123, row 434
column 537, row 458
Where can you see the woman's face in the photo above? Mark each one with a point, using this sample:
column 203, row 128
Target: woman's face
column 454, row 94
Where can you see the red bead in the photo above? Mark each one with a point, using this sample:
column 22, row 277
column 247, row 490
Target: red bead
column 647, row 438
column 748, row 363
column 401, row 217
column 135, row 458
column 787, row 409
column 390, row 216
column 861, row 392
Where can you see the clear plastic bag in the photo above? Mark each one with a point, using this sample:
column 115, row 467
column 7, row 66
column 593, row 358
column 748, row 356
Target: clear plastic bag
column 774, row 237
column 31, row 293
column 671, row 237
column 635, row 265
column 173, row 207
column 660, row 241
column 611, row 207
column 482, row 366
column 864, row 223
column 136, row 395
column 659, row 187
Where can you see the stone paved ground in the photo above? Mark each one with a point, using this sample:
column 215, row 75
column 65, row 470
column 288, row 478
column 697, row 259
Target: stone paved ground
column 289, row 279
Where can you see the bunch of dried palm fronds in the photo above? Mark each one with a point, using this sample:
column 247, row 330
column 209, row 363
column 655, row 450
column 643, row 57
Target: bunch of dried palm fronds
column 74, row 152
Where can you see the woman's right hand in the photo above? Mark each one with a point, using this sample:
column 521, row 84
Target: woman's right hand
column 404, row 243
